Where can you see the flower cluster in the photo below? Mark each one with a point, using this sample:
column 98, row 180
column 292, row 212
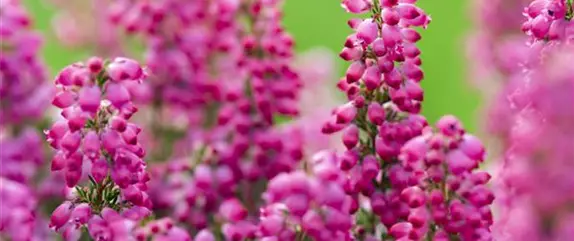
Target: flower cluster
column 220, row 152
column 534, row 126
column 539, row 112
column 23, row 91
column 225, row 66
column 224, row 52
column 312, row 205
column 24, row 96
column 95, row 139
column 417, row 185
column 19, row 210
column 21, row 156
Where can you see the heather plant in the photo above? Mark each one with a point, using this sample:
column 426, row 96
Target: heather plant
column 218, row 131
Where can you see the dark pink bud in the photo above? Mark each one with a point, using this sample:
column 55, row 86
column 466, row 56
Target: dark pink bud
column 81, row 213
column 117, row 94
column 356, row 6
column 391, row 36
column 414, row 90
column 349, row 54
column 459, row 163
column 411, row 50
column 232, row 210
column 367, row 31
column 81, row 76
column 349, row 159
column 355, row 71
column 346, row 113
column 536, row 7
column 376, row 113
column 61, row 215
column 71, row 141
column 385, row 64
column 59, row 161
column 390, row 16
column 370, row 167
column 472, row 147
column 351, row 136
column 379, row 47
column 389, row 3
column 133, row 195
column 351, row 41
column 394, row 78
column 76, row 120
column 415, row 149
column 130, row 136
column 372, row 77
column 449, row 125
column 417, row 218
column 64, row 99
column 413, row 196
column 413, row 71
column 386, row 149
column 402, row 229
column 95, row 64
column 91, row 145
column 558, row 29
column 354, row 22
column 408, row 11
column 89, row 99
column 99, row 170
column 111, row 140
column 118, row 123
column 332, row 126
column 124, row 69
column 436, row 197
column 410, row 35
column 73, row 176
column 540, row 26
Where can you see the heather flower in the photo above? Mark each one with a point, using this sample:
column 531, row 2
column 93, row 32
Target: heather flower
column 315, row 205
column 530, row 201
column 22, row 90
column 404, row 181
column 95, row 141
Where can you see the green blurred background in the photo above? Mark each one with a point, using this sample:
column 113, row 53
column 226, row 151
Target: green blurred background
column 323, row 23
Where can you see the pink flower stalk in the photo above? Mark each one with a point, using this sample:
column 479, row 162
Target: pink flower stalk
column 23, row 93
column 21, row 156
column 231, row 79
column 95, row 139
column 540, row 143
column 534, row 127
column 308, row 205
column 19, row 209
column 411, row 184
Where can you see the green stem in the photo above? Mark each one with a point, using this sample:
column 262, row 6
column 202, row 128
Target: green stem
column 569, row 10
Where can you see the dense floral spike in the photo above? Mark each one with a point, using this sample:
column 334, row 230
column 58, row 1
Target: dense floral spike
column 23, row 92
column 19, row 207
column 302, row 206
column 95, row 141
column 418, row 185
column 538, row 210
column 225, row 66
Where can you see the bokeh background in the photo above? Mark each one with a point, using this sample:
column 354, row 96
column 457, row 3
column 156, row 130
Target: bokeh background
column 322, row 23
